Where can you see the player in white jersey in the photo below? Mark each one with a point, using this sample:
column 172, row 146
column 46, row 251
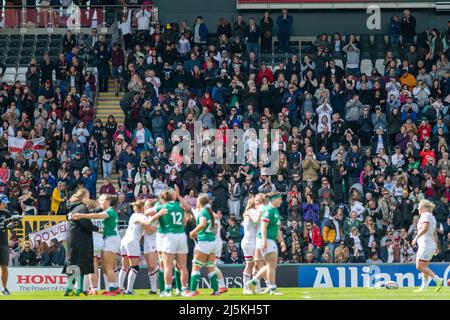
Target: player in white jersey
column 426, row 241
column 250, row 223
column 258, row 257
column 130, row 248
column 150, row 248
column 98, row 245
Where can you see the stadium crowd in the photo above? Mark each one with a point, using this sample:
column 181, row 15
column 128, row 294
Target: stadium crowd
column 357, row 151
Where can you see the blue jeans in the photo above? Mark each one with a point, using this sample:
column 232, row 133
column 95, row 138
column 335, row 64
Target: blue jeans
column 93, row 165
column 252, row 47
column 283, row 42
column 107, row 168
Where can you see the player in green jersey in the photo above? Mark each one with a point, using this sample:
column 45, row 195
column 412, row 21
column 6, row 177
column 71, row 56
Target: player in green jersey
column 111, row 245
column 269, row 232
column 174, row 244
column 205, row 249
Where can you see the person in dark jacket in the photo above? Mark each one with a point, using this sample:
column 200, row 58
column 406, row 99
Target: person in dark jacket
column 408, row 27
column 57, row 253
column 89, row 181
column 220, row 192
column 44, row 192
column 79, row 243
column 27, row 256
column 284, row 23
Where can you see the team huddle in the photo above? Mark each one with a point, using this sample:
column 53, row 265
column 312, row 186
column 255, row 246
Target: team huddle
column 93, row 240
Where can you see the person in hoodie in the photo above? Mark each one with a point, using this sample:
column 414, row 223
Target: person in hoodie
column 79, row 242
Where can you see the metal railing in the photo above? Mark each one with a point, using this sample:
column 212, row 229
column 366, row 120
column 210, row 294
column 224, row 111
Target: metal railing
column 73, row 17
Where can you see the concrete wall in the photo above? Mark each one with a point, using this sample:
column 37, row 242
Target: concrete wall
column 306, row 22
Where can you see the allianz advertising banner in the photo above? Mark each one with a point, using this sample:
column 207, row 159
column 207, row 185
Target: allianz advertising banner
column 364, row 275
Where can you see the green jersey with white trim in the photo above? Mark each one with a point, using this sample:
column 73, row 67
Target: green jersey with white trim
column 172, row 221
column 110, row 223
column 207, row 233
column 271, row 216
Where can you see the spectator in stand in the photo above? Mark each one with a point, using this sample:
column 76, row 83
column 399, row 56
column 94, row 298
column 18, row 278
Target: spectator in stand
column 57, row 253
column 408, row 27
column 27, row 256
column 284, row 23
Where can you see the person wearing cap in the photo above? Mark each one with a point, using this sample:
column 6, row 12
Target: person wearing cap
column 89, row 179
column 4, row 246
column 265, row 242
column 379, row 119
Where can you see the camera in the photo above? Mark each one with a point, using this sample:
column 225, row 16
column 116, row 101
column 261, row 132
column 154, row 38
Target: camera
column 10, row 223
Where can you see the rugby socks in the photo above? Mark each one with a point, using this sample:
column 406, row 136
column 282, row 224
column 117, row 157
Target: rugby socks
column 220, row 278
column 99, row 282
column 177, row 276
column 70, row 281
column 80, row 282
column 195, row 279
column 161, row 280
column 105, row 278
column 122, row 276
column 268, row 284
column 213, row 279
column 113, row 286
column 86, row 283
column 168, row 288
column 132, row 277
column 247, row 277
column 222, row 283
column 153, row 276
column 425, row 283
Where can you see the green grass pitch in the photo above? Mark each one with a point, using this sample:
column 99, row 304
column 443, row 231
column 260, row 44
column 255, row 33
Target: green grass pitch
column 236, row 294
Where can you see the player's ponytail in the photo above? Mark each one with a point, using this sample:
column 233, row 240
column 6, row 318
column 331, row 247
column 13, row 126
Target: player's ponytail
column 138, row 206
column 205, row 203
column 251, row 204
column 112, row 200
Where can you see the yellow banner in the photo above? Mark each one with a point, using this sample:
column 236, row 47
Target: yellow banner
column 32, row 224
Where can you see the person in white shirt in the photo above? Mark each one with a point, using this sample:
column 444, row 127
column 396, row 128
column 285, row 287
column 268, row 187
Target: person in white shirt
column 398, row 159
column 426, row 241
column 143, row 20
column 125, row 28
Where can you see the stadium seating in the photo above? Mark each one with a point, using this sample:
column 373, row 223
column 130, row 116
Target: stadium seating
column 339, row 63
column 366, row 66
column 379, row 65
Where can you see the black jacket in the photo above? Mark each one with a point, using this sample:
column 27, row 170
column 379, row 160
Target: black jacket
column 80, row 249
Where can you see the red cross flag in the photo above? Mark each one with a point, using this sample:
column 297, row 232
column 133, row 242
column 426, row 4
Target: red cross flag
column 27, row 147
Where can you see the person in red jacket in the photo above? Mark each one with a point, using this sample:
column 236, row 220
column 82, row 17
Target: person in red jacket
column 311, row 234
column 207, row 101
column 264, row 72
column 425, row 130
column 425, row 154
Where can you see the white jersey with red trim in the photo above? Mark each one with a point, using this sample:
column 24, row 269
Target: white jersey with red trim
column 250, row 227
column 135, row 230
column 427, row 240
